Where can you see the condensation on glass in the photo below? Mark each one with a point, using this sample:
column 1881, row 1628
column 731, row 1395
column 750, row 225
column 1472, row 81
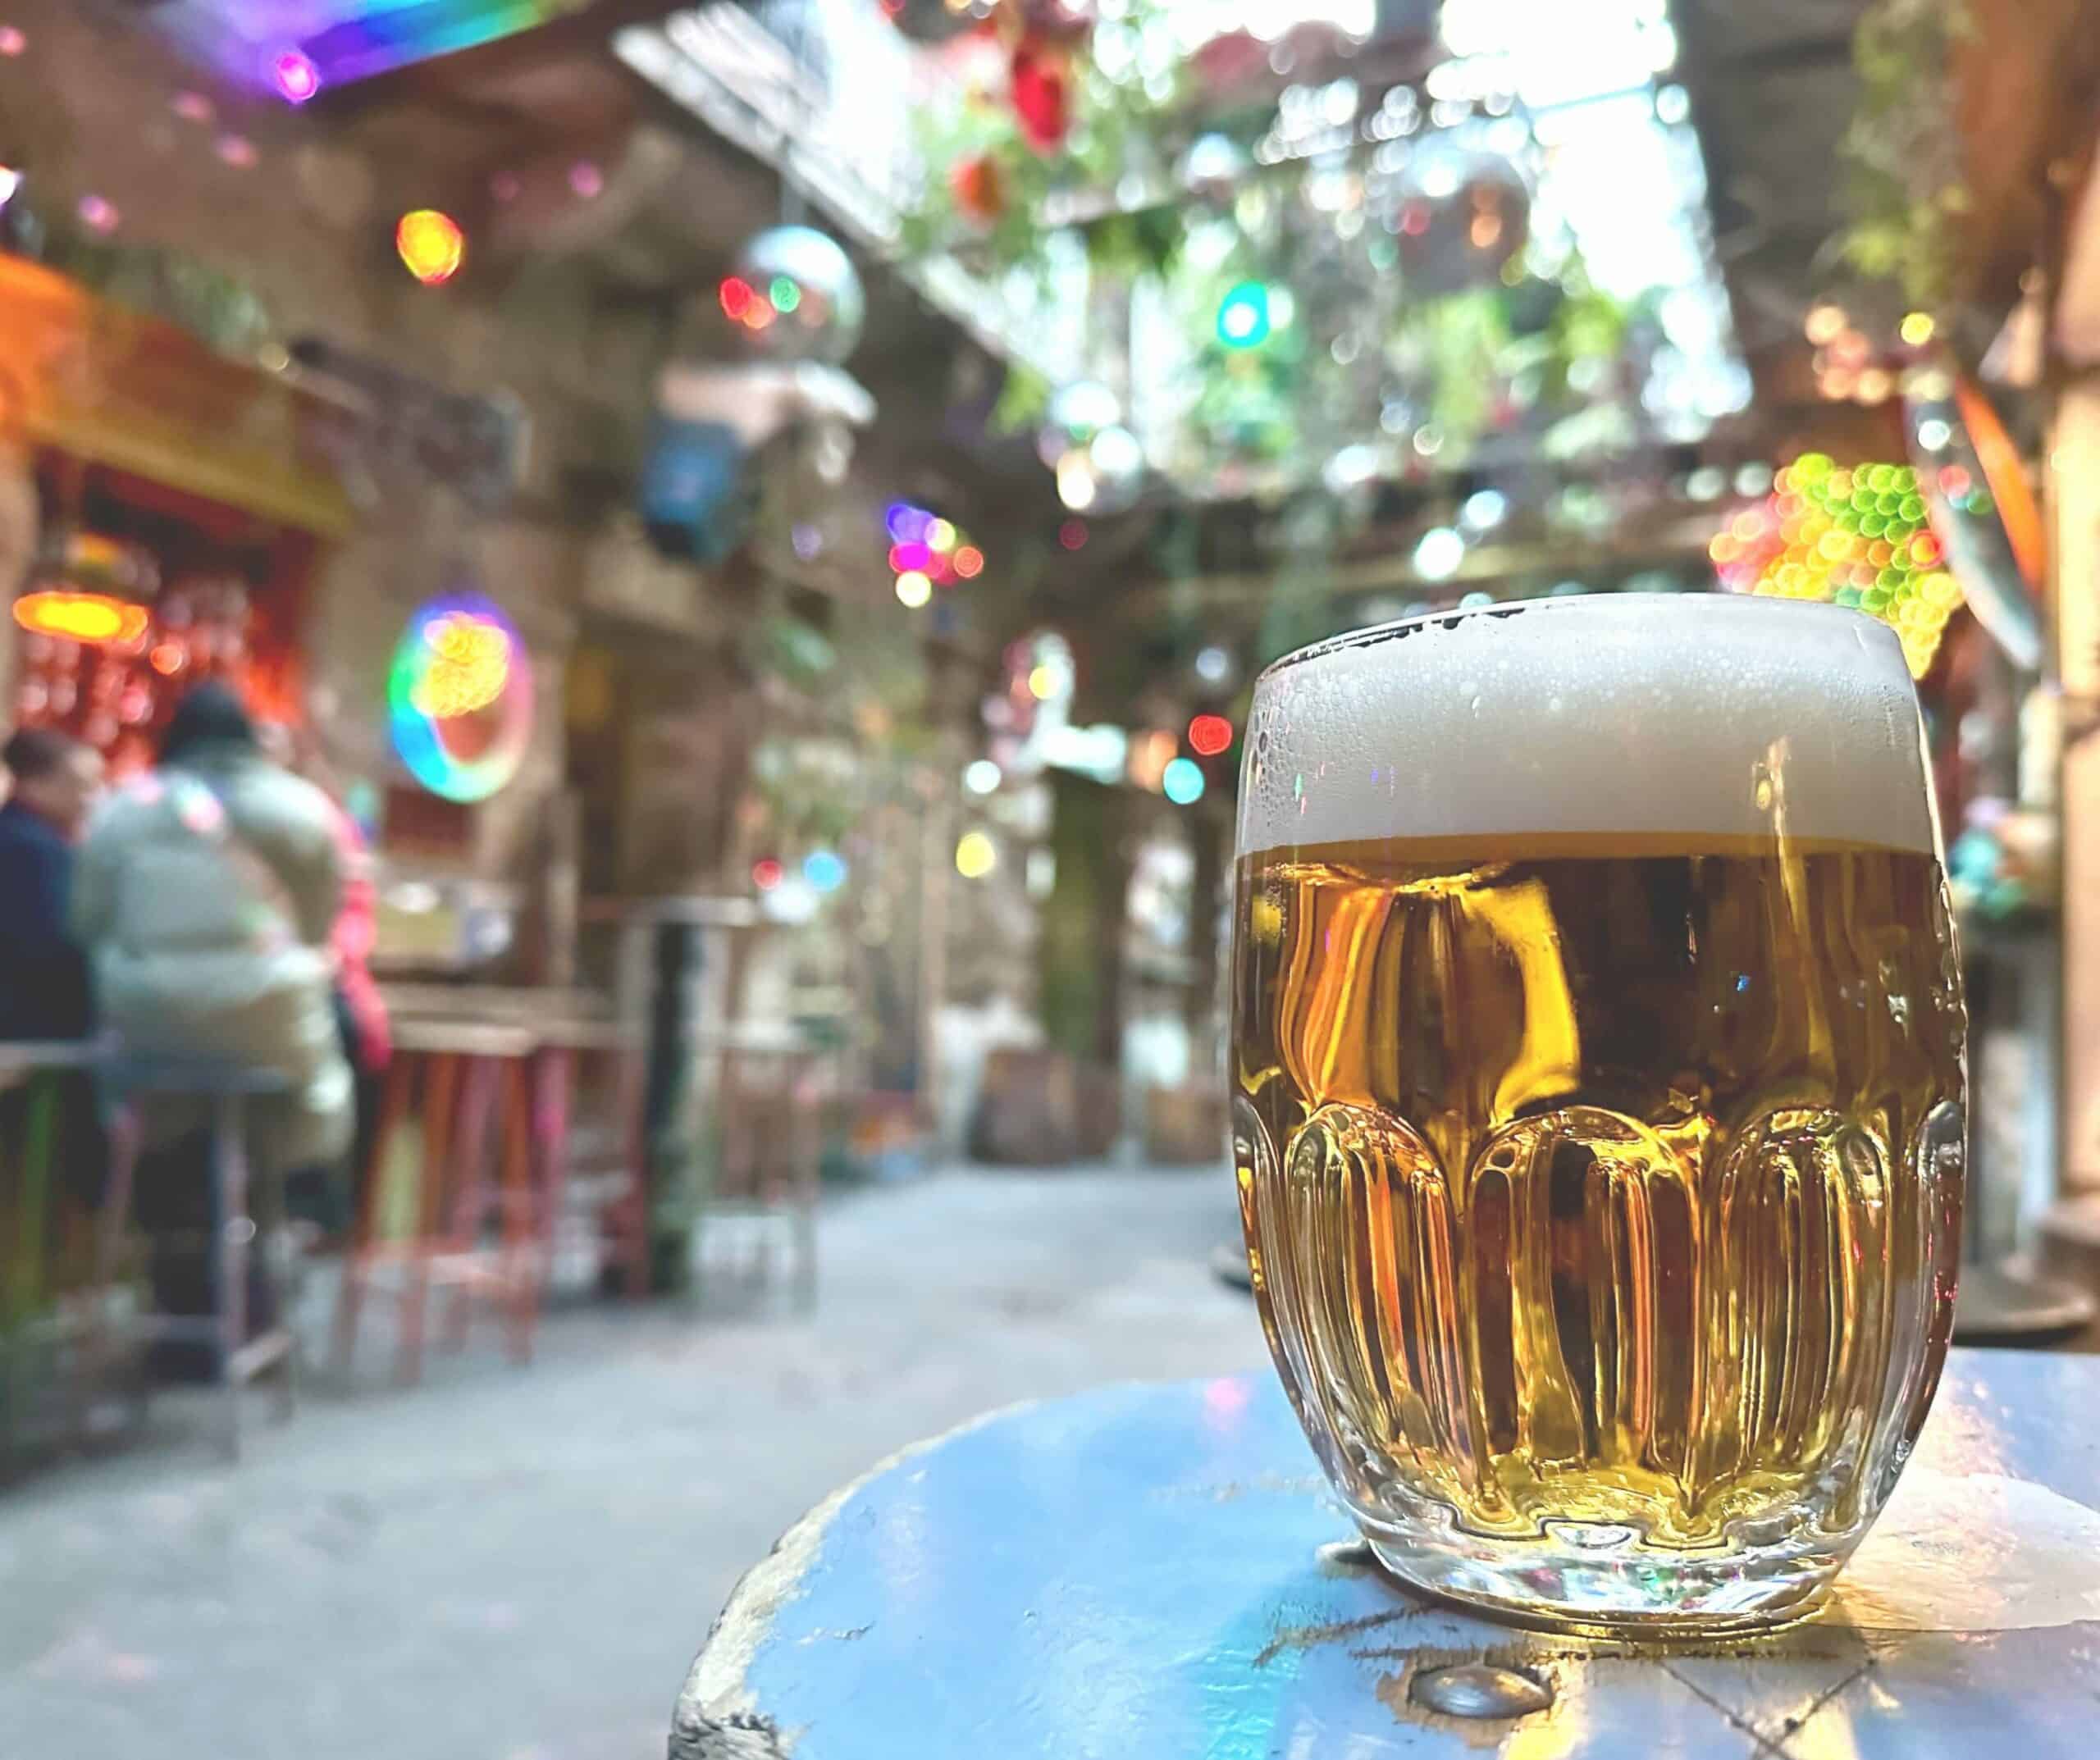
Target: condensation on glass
column 1598, row 1094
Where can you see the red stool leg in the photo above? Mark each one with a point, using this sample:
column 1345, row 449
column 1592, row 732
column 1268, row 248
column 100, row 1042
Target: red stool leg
column 479, row 1094
column 438, row 1095
column 394, row 1097
column 551, row 1073
column 630, row 1080
column 527, row 1224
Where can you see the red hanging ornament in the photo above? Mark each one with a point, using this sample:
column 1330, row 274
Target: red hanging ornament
column 1042, row 94
column 979, row 187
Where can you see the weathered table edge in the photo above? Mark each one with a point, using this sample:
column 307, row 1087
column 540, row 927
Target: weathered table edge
column 714, row 1720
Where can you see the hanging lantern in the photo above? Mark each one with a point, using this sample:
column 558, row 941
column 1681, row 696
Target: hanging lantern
column 1042, row 93
column 796, row 295
column 1457, row 217
column 980, row 186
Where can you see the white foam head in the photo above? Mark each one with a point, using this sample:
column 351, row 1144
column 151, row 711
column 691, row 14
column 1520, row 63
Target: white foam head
column 1706, row 717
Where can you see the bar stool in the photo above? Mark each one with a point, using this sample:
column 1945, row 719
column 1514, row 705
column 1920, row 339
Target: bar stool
column 472, row 1077
column 236, row 1231
column 609, row 1156
column 38, row 1070
column 768, row 1155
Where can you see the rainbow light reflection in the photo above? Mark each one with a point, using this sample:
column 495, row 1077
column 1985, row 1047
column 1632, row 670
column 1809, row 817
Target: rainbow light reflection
column 295, row 48
column 459, row 697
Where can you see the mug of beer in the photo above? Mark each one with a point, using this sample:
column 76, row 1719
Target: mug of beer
column 1598, row 1083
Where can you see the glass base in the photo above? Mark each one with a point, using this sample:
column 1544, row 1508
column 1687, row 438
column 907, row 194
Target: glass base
column 1599, row 1582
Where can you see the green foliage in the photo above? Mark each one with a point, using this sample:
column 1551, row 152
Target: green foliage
column 1118, row 128
column 1906, row 185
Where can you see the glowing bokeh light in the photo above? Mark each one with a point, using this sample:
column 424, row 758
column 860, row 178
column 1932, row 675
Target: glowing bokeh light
column 1858, row 537
column 904, row 558
column 907, row 524
column 1182, row 781
column 736, row 296
column 1073, row 533
column 459, row 697
column 1042, row 683
column 767, row 874
column 297, row 79
column 1209, row 735
column 824, row 869
column 12, row 41
column 1917, row 329
column 785, row 294
column 982, row 778
column 941, row 536
column 94, row 619
column 913, row 589
column 169, row 657
column 1440, row 554
column 1244, row 319
column 975, row 855
column 431, row 245
column 969, row 561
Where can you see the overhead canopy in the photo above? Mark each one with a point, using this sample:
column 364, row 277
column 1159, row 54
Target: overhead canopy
column 111, row 387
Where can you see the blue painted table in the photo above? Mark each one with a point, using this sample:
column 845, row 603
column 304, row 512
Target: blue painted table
column 1159, row 1573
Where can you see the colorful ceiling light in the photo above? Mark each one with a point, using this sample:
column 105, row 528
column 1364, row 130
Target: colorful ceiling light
column 293, row 48
column 431, row 245
column 1857, row 536
column 927, row 551
column 460, row 697
column 96, row 619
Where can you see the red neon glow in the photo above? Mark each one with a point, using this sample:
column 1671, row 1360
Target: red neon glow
column 736, row 297
column 1209, row 735
column 905, row 557
column 767, row 874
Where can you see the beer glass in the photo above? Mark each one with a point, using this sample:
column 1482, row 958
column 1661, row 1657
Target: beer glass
column 1597, row 1094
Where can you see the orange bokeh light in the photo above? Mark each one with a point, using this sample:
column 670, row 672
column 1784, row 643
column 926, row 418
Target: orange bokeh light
column 1209, row 735
column 94, row 618
column 431, row 245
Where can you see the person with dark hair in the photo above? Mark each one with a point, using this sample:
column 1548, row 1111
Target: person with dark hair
column 43, row 980
column 205, row 894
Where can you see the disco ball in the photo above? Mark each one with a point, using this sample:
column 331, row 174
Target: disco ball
column 1458, row 218
column 797, row 296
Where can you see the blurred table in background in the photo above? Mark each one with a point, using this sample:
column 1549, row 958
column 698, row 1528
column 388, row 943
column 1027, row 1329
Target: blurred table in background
column 1160, row 1572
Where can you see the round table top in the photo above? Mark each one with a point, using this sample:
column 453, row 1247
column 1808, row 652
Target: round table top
column 1159, row 1573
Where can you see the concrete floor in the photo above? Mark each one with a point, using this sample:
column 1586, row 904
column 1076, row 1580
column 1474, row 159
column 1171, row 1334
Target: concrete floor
column 518, row 1565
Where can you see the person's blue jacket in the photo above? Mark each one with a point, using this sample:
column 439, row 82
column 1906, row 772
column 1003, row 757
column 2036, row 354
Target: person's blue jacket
column 44, row 973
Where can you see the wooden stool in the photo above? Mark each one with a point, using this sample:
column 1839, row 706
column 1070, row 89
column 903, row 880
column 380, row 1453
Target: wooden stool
column 39, row 1070
column 236, row 1231
column 768, row 1149
column 615, row 1151
column 469, row 1076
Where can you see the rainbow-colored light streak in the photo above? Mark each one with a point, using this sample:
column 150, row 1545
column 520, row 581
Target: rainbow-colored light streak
column 347, row 40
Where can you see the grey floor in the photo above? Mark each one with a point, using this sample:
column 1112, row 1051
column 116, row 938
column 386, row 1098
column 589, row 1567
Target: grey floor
column 518, row 1565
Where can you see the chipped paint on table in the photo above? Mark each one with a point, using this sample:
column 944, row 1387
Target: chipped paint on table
column 1152, row 1573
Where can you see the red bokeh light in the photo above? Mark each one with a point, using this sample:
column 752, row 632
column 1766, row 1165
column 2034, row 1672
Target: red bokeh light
column 1072, row 534
column 1209, row 735
column 970, row 561
column 767, row 874
column 736, row 297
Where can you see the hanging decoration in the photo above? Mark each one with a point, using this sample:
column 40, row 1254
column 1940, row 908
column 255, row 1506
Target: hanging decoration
column 1041, row 92
column 925, row 552
column 1983, row 509
column 1460, row 217
column 460, row 697
column 1857, row 536
column 797, row 296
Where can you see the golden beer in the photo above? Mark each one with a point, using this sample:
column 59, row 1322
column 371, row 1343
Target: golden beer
column 1602, row 1187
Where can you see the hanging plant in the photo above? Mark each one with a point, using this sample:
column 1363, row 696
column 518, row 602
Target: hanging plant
column 1906, row 185
column 1043, row 151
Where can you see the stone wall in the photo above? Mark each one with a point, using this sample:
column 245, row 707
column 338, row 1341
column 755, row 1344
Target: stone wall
column 96, row 107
